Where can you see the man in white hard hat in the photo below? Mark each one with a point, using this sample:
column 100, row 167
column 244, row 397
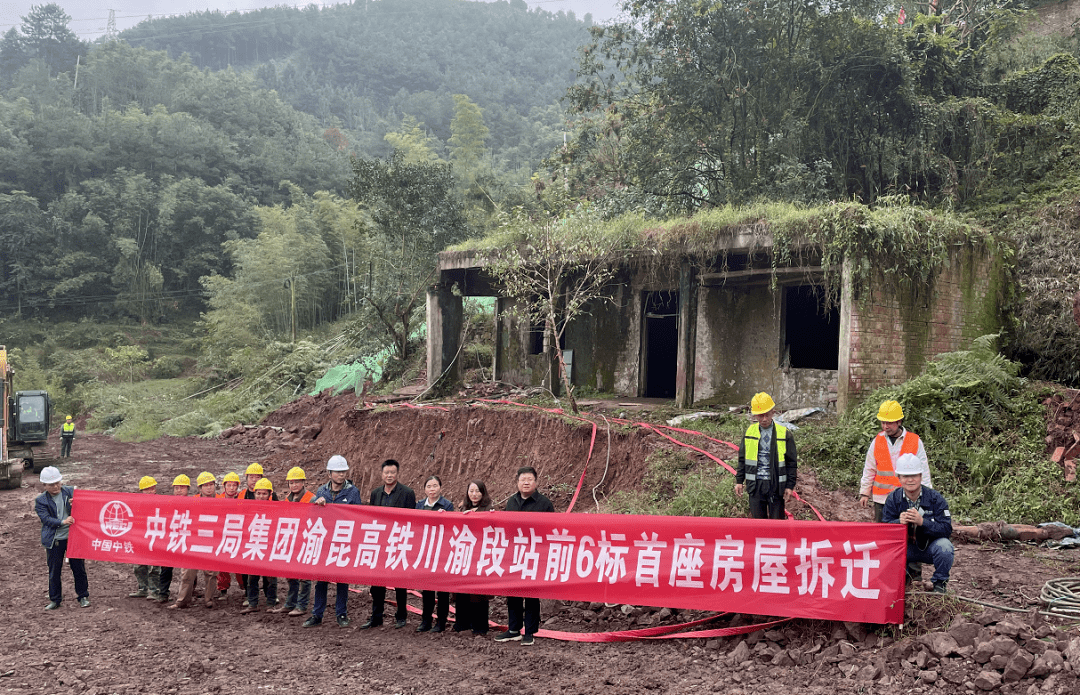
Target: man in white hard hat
column 53, row 507
column 337, row 490
column 929, row 523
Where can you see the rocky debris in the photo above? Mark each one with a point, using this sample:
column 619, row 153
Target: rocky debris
column 1018, row 666
column 941, row 644
column 1063, row 430
column 991, row 651
column 964, row 632
column 987, row 680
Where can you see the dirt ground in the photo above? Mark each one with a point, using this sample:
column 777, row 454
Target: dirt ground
column 125, row 645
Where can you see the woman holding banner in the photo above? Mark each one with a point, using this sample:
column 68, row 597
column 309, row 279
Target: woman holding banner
column 434, row 502
column 472, row 609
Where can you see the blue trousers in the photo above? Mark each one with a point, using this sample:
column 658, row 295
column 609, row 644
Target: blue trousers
column 939, row 554
column 269, row 585
column 54, row 556
column 341, row 600
column 299, row 594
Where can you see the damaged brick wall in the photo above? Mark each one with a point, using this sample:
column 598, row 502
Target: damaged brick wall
column 891, row 334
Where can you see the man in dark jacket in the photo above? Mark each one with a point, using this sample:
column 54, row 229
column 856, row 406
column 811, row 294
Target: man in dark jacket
column 524, row 612
column 929, row 523
column 53, row 507
column 390, row 494
column 767, row 462
column 337, row 490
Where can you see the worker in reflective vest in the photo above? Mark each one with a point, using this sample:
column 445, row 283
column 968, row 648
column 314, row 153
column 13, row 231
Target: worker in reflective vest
column 879, row 476
column 767, row 462
column 67, row 436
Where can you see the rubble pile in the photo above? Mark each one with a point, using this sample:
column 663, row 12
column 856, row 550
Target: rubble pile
column 274, row 438
column 1063, row 430
column 994, row 651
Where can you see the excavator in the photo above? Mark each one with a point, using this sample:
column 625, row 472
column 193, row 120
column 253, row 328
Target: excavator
column 24, row 425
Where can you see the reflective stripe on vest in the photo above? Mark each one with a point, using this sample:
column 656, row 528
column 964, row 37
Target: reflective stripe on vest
column 750, row 443
column 885, row 480
column 68, row 427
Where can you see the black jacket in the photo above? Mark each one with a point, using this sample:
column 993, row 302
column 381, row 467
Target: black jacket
column 788, row 468
column 533, row 503
column 401, row 496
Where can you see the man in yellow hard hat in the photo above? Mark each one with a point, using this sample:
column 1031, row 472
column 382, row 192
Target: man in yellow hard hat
column 767, row 462
column 181, row 487
column 67, row 436
column 299, row 593
column 146, row 576
column 263, row 491
column 254, row 474
column 879, row 476
column 207, row 484
column 230, row 490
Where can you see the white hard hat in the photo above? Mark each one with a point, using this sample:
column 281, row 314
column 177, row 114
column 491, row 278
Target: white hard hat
column 908, row 464
column 337, row 463
column 50, row 475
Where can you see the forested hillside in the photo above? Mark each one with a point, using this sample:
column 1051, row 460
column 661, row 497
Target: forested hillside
column 363, row 66
column 203, row 163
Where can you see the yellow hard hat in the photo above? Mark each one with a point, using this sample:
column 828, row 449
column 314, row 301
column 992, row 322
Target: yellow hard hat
column 231, row 477
column 761, row 403
column 181, row 480
column 890, row 411
column 254, row 469
column 68, row 417
column 264, row 484
column 146, row 482
column 296, row 473
column 204, row 478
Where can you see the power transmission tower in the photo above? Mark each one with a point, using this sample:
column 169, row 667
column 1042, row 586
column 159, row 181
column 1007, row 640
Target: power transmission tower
column 110, row 28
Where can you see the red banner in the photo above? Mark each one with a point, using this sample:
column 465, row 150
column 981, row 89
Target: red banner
column 805, row 569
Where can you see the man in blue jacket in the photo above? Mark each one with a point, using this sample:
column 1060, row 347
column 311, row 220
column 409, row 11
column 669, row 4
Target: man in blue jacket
column 337, row 490
column 929, row 523
column 53, row 507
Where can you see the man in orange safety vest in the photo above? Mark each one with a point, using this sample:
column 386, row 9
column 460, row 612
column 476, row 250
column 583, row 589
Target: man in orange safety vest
column 879, row 473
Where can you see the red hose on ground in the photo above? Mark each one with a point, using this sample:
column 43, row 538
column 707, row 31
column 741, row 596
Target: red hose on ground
column 659, row 632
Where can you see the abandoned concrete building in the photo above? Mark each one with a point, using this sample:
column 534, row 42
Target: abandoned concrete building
column 720, row 332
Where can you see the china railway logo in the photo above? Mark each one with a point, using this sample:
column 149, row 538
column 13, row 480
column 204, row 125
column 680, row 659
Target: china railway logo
column 116, row 519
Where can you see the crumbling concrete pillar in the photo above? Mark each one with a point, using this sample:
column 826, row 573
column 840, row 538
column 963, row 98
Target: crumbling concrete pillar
column 444, row 317
column 685, row 367
column 843, row 361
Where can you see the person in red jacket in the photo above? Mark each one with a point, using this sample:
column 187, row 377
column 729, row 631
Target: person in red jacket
column 299, row 594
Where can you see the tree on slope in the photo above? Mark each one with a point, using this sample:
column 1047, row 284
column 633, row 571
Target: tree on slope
column 415, row 213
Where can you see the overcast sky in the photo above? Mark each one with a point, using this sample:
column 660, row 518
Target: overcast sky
column 89, row 17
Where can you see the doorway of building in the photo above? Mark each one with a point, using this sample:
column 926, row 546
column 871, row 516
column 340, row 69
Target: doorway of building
column 811, row 331
column 660, row 344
